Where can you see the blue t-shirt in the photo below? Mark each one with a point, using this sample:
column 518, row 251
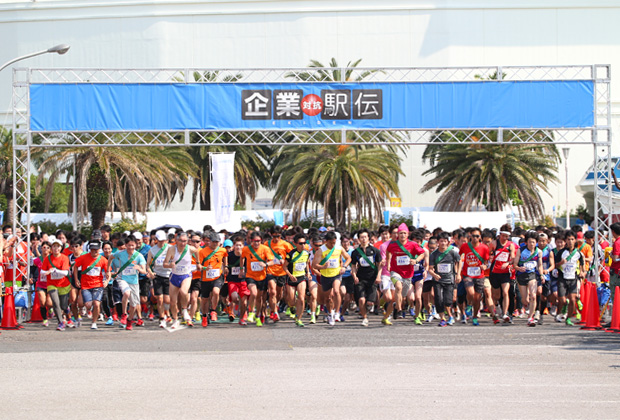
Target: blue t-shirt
column 129, row 274
column 145, row 252
column 347, row 271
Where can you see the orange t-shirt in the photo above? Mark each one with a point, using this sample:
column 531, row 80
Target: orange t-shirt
column 61, row 262
column 215, row 262
column 251, row 261
column 196, row 274
column 282, row 248
column 587, row 253
column 94, row 277
column 9, row 263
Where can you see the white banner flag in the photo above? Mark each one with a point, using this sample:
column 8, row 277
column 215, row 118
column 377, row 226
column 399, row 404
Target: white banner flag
column 222, row 185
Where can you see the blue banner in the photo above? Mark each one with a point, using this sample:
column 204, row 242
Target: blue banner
column 268, row 106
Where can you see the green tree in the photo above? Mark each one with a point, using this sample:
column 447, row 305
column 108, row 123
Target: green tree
column 119, row 178
column 58, row 201
column 491, row 174
column 6, row 172
column 338, row 178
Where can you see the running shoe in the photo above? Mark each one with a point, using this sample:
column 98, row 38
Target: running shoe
column 129, row 326
column 386, row 321
column 579, row 304
column 175, row 325
column 140, row 323
column 365, row 322
column 114, row 317
column 274, row 317
column 70, row 324
column 243, row 322
column 198, row 317
column 451, row 320
column 231, row 317
column 418, row 320
column 299, row 323
column 61, row 326
column 531, row 322
column 124, row 319
column 537, row 315
column 162, row 323
column 442, row 323
column 412, row 312
column 569, row 322
column 474, row 322
column 560, row 318
column 46, row 323
column 251, row 317
column 401, row 315
column 213, row 316
column 469, row 310
column 429, row 319
column 262, row 319
column 259, row 323
column 93, row 326
column 151, row 317
column 338, row 317
column 506, row 318
column 110, row 321
column 287, row 312
column 189, row 322
column 205, row 322
column 435, row 314
column 495, row 320
column 318, row 310
column 313, row 319
column 464, row 319
column 331, row 320
column 578, row 316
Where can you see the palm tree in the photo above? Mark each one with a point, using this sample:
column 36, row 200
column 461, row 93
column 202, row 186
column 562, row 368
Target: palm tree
column 118, row 178
column 338, row 178
column 6, row 171
column 494, row 175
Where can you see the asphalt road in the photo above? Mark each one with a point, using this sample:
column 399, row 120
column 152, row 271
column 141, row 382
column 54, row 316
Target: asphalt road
column 318, row 372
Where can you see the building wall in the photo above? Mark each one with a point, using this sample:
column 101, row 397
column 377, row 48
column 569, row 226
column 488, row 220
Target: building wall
column 262, row 33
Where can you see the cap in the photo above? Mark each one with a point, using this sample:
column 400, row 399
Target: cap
column 172, row 231
column 127, row 233
column 160, row 235
column 96, row 234
column 322, row 229
column 56, row 241
column 227, row 242
column 579, row 235
column 214, row 237
column 145, row 235
column 403, row 228
column 94, row 244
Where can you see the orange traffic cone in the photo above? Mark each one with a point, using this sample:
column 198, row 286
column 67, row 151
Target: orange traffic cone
column 9, row 321
column 585, row 291
column 35, row 314
column 592, row 317
column 615, row 315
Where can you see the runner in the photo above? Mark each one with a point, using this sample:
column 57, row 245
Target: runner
column 474, row 261
column 571, row 268
column 160, row 275
column 95, row 277
column 315, row 280
column 255, row 258
column 298, row 271
column 366, row 265
column 413, row 291
column 126, row 265
column 75, row 297
column 444, row 263
column 402, row 256
column 347, row 285
column 544, row 278
column 428, row 295
column 179, row 260
column 194, row 288
column 526, row 263
column 327, row 260
column 501, row 267
column 144, row 281
column 45, row 301
column 56, row 267
column 238, row 291
column 108, row 293
column 212, row 259
column 276, row 276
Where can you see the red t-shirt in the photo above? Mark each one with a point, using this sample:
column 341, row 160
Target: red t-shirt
column 399, row 262
column 471, row 263
column 615, row 251
column 501, row 256
column 61, row 262
column 94, row 277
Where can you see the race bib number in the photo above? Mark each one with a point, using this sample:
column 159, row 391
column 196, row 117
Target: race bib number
column 255, row 266
column 364, row 263
column 235, row 271
column 530, row 265
column 416, row 267
column 444, row 268
column 160, row 260
column 43, row 277
column 214, row 273
column 10, row 266
column 129, row 271
column 554, row 273
column 95, row 271
column 502, row 257
column 182, row 269
column 473, row 271
column 301, row 266
column 570, row 270
column 333, row 263
column 55, row 275
column 403, row 260
column 192, row 267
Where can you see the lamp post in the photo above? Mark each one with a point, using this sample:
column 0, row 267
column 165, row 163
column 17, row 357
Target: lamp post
column 565, row 151
column 58, row 49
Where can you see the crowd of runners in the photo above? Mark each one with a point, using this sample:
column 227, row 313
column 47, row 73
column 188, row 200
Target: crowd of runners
column 395, row 274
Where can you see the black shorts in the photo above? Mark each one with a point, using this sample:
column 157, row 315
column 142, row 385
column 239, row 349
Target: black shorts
column 72, row 280
column 280, row 280
column 546, row 289
column 497, row 279
column 195, row 286
column 365, row 290
column 224, row 290
column 427, row 287
column 261, row 285
column 207, row 287
column 161, row 286
column 328, row 282
column 348, row 284
column 145, row 286
column 567, row 287
column 296, row 283
column 525, row 278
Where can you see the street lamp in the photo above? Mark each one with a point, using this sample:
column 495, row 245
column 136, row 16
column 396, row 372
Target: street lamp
column 59, row 49
column 565, row 151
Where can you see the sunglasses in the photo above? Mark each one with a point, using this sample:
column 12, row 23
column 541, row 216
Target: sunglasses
column 475, row 236
column 301, row 243
column 257, row 240
column 275, row 236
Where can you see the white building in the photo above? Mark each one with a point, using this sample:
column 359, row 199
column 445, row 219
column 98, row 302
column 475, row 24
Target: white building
column 269, row 33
